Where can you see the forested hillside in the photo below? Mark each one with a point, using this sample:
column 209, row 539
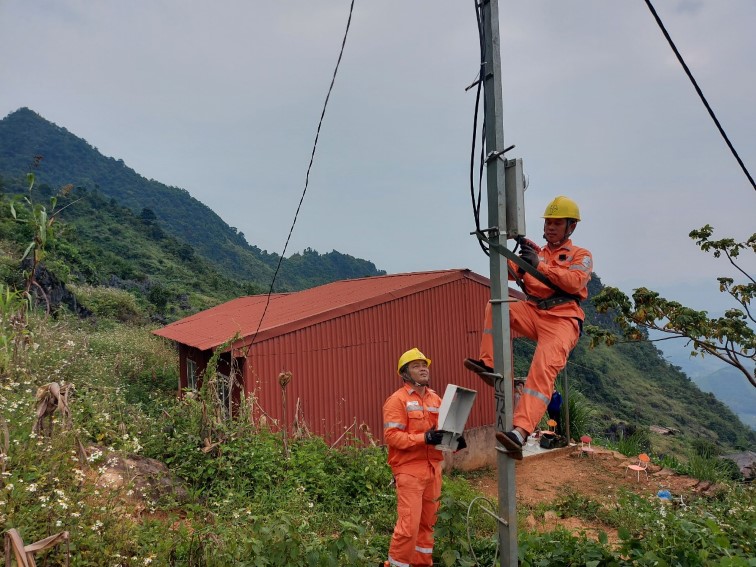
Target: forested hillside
column 95, row 242
column 66, row 159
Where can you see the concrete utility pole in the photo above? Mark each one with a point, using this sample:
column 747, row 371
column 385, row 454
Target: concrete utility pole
column 497, row 232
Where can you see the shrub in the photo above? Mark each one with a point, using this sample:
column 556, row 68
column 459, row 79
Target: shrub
column 109, row 302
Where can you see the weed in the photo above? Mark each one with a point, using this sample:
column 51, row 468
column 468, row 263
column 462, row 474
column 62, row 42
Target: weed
column 578, row 506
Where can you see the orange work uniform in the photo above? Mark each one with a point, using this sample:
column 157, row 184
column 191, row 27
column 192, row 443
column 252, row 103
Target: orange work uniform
column 417, row 471
column 555, row 330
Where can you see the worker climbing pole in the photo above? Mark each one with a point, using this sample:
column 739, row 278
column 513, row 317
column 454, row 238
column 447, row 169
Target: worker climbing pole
column 554, row 280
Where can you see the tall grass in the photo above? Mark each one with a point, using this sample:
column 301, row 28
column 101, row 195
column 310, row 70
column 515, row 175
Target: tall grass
column 582, row 415
column 639, row 441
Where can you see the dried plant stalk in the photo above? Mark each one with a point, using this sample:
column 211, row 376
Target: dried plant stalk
column 51, row 397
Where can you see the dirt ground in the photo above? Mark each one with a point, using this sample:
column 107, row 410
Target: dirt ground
column 546, row 478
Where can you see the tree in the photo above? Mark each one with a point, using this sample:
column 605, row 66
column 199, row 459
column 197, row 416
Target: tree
column 730, row 338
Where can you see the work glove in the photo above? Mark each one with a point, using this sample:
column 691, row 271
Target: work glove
column 522, row 241
column 528, row 254
column 461, row 443
column 433, row 437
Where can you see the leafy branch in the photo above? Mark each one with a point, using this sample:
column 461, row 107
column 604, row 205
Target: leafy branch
column 729, row 338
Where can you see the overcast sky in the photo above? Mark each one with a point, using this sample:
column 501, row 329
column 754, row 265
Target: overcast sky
column 223, row 98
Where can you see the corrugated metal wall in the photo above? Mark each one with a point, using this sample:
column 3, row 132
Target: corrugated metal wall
column 344, row 369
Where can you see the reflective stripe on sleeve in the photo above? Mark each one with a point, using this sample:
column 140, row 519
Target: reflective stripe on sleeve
column 395, row 425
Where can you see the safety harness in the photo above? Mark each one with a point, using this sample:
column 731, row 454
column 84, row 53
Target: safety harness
column 557, row 298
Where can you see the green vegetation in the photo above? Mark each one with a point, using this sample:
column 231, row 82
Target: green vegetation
column 243, row 502
column 101, row 246
column 713, row 531
column 582, row 415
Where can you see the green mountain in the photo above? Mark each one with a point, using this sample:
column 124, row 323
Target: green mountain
column 66, row 159
column 730, row 386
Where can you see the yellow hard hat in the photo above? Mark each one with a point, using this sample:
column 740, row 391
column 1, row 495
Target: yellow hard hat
column 409, row 356
column 562, row 208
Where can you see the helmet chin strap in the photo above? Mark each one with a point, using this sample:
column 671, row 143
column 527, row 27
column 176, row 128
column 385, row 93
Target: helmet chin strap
column 411, row 381
column 566, row 235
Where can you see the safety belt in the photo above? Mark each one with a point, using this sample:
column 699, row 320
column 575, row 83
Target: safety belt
column 558, row 298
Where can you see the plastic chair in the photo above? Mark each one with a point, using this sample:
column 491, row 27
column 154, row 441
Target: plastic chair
column 642, row 465
column 585, row 446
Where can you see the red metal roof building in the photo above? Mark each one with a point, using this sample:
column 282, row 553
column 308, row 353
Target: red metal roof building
column 341, row 342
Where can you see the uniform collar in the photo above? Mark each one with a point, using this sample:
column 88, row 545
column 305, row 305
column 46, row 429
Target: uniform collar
column 566, row 245
column 410, row 389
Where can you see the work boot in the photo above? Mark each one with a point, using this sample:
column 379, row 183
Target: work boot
column 512, row 447
column 480, row 368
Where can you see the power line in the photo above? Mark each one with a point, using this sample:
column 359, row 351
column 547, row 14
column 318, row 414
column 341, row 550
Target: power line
column 700, row 93
column 307, row 176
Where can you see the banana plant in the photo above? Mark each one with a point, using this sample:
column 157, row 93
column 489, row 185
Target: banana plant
column 41, row 223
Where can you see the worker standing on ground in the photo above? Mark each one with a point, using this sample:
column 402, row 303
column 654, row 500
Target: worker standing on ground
column 552, row 318
column 554, row 409
column 410, row 419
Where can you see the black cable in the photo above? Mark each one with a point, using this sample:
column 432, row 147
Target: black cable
column 307, row 176
column 476, row 200
column 700, row 93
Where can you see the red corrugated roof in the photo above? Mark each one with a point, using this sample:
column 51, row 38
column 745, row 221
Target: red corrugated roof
column 291, row 311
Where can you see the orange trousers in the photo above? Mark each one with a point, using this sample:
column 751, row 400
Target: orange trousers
column 417, row 501
column 555, row 338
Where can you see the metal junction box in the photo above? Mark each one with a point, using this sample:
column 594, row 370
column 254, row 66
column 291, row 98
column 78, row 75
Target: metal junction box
column 515, row 197
column 452, row 416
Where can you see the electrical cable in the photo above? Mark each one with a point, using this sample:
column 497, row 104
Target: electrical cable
column 700, row 93
column 467, row 525
column 307, row 176
column 476, row 199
